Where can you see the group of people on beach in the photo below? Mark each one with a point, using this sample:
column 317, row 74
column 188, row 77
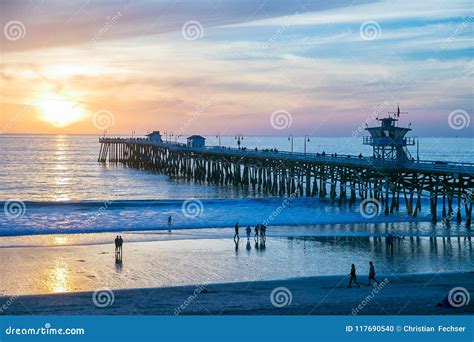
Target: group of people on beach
column 353, row 275
column 118, row 244
column 260, row 232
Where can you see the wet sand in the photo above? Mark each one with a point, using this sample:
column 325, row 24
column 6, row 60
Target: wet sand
column 69, row 267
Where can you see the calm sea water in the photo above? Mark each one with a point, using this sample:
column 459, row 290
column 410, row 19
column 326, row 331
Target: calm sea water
column 63, row 187
column 65, row 168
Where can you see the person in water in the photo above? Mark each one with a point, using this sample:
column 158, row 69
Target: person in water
column 372, row 273
column 248, row 231
column 236, row 236
column 353, row 277
column 169, row 223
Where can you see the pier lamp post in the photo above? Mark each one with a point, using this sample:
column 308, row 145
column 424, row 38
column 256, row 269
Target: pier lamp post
column 105, row 132
column 239, row 138
column 306, row 139
column 290, row 138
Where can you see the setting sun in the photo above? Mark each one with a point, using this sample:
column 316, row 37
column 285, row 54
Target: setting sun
column 59, row 111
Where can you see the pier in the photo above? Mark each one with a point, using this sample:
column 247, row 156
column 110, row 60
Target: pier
column 388, row 179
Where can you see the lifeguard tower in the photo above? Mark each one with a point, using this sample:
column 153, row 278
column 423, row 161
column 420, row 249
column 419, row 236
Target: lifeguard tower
column 388, row 140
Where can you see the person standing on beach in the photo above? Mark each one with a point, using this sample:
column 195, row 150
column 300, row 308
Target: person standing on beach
column 169, row 223
column 353, row 277
column 389, row 240
column 117, row 244
column 372, row 273
column 236, row 236
column 257, row 228
column 263, row 232
column 248, row 231
column 120, row 243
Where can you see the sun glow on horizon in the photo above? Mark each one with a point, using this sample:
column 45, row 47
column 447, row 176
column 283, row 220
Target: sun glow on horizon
column 59, row 111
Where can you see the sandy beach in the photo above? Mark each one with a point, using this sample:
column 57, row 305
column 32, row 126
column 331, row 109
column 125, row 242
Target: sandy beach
column 402, row 295
column 201, row 272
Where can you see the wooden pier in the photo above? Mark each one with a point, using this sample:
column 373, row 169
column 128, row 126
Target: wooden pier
column 386, row 179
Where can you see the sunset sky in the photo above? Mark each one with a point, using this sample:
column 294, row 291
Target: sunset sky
column 221, row 66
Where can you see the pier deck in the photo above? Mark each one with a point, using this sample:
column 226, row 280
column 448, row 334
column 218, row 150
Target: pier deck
column 377, row 182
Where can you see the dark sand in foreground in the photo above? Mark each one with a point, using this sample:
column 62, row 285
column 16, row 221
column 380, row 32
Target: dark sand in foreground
column 401, row 295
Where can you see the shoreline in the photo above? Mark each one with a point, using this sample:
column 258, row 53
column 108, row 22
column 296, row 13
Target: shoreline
column 339, row 230
column 407, row 294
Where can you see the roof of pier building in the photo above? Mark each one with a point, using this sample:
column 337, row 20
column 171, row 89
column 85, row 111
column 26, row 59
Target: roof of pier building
column 192, row 137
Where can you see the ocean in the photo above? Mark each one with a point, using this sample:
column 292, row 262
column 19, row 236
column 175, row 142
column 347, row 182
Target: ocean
column 54, row 184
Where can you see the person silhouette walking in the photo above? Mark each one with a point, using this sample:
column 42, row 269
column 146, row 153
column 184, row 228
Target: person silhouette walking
column 372, row 273
column 353, row 277
column 236, row 235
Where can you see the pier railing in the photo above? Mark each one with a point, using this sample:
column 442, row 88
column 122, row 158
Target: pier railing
column 332, row 159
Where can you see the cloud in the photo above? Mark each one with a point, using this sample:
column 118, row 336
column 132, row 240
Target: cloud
column 326, row 75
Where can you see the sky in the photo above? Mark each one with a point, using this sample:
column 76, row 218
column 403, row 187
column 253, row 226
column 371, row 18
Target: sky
column 321, row 68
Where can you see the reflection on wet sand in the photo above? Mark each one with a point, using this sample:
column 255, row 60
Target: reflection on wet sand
column 402, row 254
column 184, row 262
column 58, row 278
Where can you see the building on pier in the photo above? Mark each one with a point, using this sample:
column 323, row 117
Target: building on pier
column 154, row 136
column 196, row 141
